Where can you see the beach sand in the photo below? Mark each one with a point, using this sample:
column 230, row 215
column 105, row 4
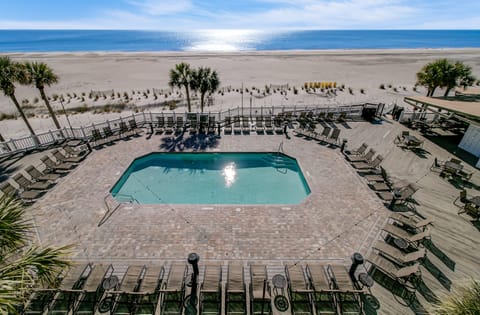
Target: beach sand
column 126, row 72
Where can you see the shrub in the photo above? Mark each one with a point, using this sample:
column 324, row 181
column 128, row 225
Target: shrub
column 362, row 91
column 465, row 300
column 55, row 97
column 4, row 116
column 295, row 91
column 395, row 89
column 350, row 90
column 389, row 86
column 382, row 86
column 414, row 89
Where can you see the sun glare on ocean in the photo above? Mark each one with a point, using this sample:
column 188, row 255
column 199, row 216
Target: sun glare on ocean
column 225, row 40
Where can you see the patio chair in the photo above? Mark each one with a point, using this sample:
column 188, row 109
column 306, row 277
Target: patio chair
column 360, row 151
column 409, row 222
column 27, row 185
column 109, row 135
column 374, row 164
column 260, row 294
column 399, row 256
column 125, row 297
column 37, row 175
column 333, row 138
column 413, row 239
column 437, row 165
column 362, row 158
column 401, row 137
column 70, row 289
column 60, row 157
column 211, row 290
column 347, row 295
column 27, row 197
column 93, row 290
column 57, row 167
column 173, row 289
column 237, row 125
column 323, row 297
column 227, row 125
column 179, row 125
column 235, row 291
column 298, row 290
column 403, row 275
column 268, row 125
column 342, row 117
column 149, row 291
column 71, row 152
column 160, row 127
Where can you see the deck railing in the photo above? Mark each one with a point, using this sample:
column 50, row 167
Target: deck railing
column 51, row 138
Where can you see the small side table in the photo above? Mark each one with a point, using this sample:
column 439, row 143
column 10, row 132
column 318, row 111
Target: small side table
column 365, row 280
column 110, row 283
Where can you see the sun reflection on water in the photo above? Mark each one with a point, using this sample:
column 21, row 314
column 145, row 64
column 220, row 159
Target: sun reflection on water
column 225, row 40
column 230, row 173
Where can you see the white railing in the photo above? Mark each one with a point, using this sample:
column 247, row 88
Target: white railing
column 56, row 137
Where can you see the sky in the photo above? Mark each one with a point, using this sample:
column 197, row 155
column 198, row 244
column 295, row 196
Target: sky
column 239, row 14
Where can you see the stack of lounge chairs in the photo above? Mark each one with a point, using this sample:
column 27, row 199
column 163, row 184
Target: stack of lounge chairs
column 107, row 135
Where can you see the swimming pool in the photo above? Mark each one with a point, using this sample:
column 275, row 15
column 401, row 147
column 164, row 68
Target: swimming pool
column 212, row 178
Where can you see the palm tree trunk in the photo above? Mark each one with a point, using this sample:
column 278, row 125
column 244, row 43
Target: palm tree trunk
column 446, row 92
column 50, row 110
column 202, row 97
column 20, row 110
column 188, row 98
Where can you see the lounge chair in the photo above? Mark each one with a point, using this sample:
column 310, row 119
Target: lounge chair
column 298, row 290
column 245, row 125
column 27, row 185
column 211, row 290
column 360, row 151
column 268, row 125
column 132, row 125
column 173, row 289
column 402, row 195
column 235, row 291
column 109, row 135
column 54, row 167
column 149, row 292
column 324, row 135
column 410, row 222
column 71, row 152
column 366, row 165
column 160, row 127
column 125, row 297
column 36, row 175
column 347, row 295
column 63, row 159
column 203, row 123
column 333, row 138
column 380, row 186
column 401, row 137
column 329, row 116
column 179, row 125
column 376, row 177
column 170, row 125
column 403, row 275
column 28, row 196
column 96, row 139
column 399, row 256
column 362, row 158
column 260, row 296
column 211, row 125
column 321, row 117
column 278, row 124
column 123, row 130
column 413, row 239
column 237, row 126
column 227, row 125
column 70, row 289
column 39, row 301
column 259, row 128
column 342, row 117
column 93, row 290
column 323, row 296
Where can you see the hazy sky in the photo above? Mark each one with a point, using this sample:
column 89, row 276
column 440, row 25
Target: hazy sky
column 246, row 14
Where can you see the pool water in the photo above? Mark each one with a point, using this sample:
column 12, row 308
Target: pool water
column 212, row 178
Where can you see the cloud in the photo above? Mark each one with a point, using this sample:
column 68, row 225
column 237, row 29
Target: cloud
column 162, row 7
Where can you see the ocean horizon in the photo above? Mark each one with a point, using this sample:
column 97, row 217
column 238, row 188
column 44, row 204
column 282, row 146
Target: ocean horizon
column 12, row 41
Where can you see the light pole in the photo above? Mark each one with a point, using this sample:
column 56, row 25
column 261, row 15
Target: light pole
column 66, row 116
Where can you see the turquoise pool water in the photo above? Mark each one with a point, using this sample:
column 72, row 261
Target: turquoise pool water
column 212, row 178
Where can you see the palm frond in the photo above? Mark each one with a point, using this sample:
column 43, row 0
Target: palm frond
column 465, row 300
column 13, row 227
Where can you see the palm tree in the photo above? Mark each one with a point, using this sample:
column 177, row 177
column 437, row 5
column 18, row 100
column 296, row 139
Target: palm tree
column 181, row 76
column 11, row 72
column 206, row 81
column 41, row 75
column 23, row 267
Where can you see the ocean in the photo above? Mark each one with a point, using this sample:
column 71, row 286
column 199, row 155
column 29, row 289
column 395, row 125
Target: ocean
column 231, row 40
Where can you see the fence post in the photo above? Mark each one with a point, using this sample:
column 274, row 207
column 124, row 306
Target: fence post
column 52, row 136
column 83, row 133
